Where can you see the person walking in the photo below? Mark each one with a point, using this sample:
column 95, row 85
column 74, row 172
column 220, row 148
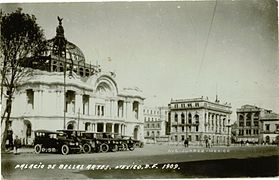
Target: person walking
column 206, row 142
column 186, row 142
column 209, row 142
column 17, row 145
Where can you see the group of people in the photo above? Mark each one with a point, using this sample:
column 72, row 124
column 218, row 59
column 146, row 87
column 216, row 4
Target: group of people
column 208, row 142
column 15, row 144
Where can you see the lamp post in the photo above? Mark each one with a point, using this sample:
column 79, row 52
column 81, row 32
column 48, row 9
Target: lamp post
column 228, row 132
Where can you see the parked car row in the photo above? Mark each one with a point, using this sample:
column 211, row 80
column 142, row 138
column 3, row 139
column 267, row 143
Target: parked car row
column 73, row 141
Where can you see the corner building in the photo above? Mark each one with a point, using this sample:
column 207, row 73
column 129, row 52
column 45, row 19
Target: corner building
column 198, row 119
column 155, row 119
column 65, row 92
column 256, row 124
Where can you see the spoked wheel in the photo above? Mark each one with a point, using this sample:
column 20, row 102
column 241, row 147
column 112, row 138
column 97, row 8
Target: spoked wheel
column 38, row 148
column 86, row 148
column 65, row 149
column 114, row 148
column 104, row 148
column 125, row 147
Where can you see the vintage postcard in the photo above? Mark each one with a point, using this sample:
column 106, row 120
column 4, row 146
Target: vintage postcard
column 139, row 90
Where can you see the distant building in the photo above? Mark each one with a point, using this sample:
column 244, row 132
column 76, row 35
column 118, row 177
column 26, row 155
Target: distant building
column 199, row 119
column 248, row 123
column 155, row 119
column 269, row 128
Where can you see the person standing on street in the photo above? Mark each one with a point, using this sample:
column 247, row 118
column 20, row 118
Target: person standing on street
column 17, row 145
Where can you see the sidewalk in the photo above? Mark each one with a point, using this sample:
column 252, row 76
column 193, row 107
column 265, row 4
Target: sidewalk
column 21, row 150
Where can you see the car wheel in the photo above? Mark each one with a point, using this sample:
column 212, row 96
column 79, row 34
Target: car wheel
column 104, row 148
column 132, row 147
column 86, row 148
column 125, row 147
column 38, row 148
column 65, row 149
column 114, row 148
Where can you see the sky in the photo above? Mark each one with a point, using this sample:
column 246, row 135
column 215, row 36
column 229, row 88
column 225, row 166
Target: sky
column 177, row 50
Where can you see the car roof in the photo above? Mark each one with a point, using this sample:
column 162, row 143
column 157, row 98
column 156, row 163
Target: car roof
column 46, row 131
column 70, row 130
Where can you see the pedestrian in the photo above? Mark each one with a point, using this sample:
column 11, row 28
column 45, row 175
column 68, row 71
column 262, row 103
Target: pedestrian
column 186, row 142
column 209, row 142
column 206, row 142
column 17, row 145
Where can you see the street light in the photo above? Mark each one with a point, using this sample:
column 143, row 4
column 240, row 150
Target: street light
column 228, row 132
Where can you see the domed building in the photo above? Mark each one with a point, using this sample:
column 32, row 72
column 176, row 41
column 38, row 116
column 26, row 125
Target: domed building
column 65, row 92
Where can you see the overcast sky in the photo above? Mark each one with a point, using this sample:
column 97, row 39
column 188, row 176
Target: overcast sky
column 160, row 47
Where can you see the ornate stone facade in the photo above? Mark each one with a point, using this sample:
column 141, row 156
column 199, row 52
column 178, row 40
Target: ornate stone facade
column 198, row 119
column 67, row 93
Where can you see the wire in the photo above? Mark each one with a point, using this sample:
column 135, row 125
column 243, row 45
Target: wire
column 207, row 38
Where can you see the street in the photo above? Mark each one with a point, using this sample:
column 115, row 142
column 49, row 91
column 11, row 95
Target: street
column 152, row 161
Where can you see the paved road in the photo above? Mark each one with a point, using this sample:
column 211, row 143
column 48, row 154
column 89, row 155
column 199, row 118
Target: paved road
column 152, row 161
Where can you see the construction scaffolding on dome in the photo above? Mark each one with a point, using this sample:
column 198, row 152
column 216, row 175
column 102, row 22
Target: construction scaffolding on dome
column 60, row 51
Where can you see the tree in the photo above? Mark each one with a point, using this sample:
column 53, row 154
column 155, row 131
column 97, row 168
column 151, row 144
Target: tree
column 21, row 39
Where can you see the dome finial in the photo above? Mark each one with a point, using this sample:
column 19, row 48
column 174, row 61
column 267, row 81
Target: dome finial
column 60, row 20
column 60, row 29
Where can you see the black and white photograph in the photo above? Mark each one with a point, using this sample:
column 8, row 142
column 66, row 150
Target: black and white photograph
column 139, row 89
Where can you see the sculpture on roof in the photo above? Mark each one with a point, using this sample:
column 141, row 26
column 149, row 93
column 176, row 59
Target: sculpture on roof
column 60, row 20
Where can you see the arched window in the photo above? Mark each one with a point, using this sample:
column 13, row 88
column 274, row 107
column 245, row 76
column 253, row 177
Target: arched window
column 190, row 118
column 196, row 118
column 175, row 117
column 182, row 118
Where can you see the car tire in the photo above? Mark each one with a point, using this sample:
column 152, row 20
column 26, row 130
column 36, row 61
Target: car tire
column 114, row 148
column 65, row 149
column 132, row 147
column 86, row 148
column 38, row 148
column 104, row 148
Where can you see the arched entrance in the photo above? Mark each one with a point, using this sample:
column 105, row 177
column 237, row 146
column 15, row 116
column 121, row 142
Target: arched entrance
column 71, row 125
column 136, row 132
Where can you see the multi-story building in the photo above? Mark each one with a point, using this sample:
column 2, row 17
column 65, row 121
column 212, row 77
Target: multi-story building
column 269, row 128
column 155, row 119
column 65, row 92
column 248, row 123
column 198, row 119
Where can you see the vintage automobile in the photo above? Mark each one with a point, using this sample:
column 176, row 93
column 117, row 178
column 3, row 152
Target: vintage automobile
column 51, row 141
column 106, row 142
column 128, row 142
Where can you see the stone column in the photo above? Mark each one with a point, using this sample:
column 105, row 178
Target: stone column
column 112, row 127
column 252, row 121
column 245, row 114
column 104, row 127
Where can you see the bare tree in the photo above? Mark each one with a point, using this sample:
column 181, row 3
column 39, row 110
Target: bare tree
column 21, row 39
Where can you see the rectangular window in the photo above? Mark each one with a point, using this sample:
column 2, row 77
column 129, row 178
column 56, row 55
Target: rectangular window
column 85, row 104
column 267, row 127
column 197, row 137
column 70, row 101
column 30, row 98
column 197, row 128
column 182, row 128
